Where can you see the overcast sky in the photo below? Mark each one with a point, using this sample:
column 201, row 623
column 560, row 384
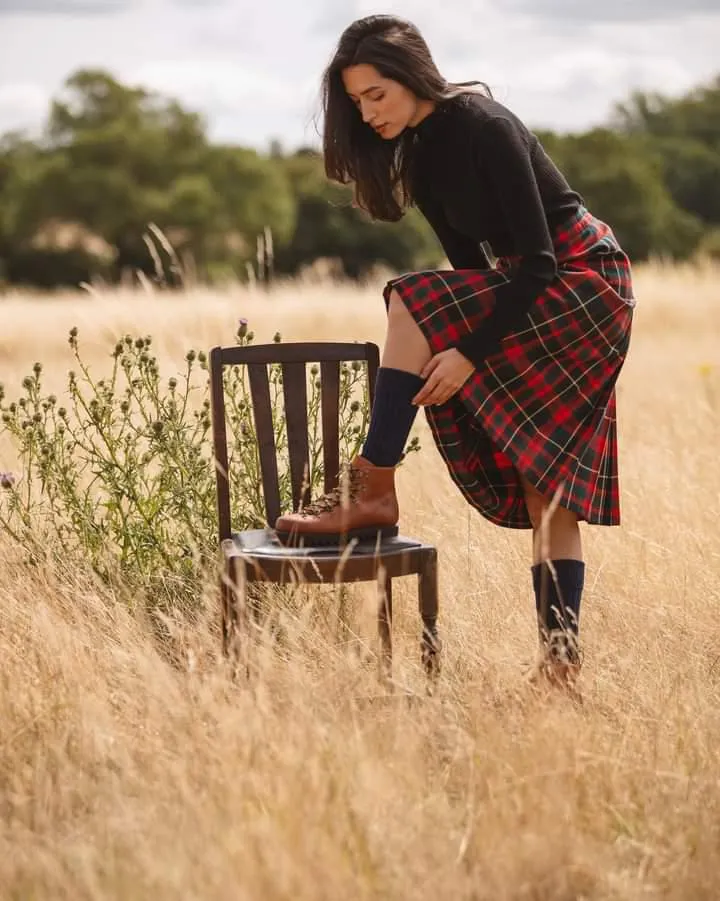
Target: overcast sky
column 252, row 68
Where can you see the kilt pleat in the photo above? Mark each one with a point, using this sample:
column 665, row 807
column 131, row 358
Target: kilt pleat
column 543, row 405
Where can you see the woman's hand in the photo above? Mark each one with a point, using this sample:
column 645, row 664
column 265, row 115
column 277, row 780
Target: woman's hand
column 446, row 373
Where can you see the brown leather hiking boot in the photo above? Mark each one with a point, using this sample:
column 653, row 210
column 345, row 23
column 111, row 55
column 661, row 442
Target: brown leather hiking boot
column 557, row 667
column 363, row 506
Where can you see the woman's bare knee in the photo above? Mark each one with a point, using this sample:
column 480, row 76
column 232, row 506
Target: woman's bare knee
column 398, row 314
column 405, row 345
column 537, row 505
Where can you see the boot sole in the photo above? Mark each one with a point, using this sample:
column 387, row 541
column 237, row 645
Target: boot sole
column 330, row 539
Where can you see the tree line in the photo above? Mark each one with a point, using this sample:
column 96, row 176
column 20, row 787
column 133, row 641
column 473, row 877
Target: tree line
column 125, row 183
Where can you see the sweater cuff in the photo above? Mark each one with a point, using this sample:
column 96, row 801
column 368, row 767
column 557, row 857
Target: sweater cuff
column 478, row 346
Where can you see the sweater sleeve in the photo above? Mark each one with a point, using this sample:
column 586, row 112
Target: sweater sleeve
column 462, row 252
column 505, row 157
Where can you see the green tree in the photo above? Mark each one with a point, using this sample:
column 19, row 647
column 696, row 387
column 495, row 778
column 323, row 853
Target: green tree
column 623, row 184
column 115, row 158
column 684, row 134
column 329, row 226
column 695, row 115
column 118, row 158
column 255, row 192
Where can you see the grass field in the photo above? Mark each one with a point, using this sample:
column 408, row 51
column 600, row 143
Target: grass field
column 126, row 775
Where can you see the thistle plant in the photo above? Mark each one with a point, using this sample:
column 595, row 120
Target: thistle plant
column 119, row 471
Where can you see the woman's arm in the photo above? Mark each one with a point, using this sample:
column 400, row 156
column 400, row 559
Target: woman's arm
column 506, row 158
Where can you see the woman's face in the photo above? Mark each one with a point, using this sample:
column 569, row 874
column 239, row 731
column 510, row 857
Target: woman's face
column 385, row 105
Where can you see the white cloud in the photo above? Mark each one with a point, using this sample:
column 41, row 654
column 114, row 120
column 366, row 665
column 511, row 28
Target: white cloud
column 237, row 98
column 253, row 69
column 608, row 10
column 22, row 106
column 64, row 7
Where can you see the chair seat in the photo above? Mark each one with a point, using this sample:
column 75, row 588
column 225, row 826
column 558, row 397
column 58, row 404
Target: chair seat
column 266, row 558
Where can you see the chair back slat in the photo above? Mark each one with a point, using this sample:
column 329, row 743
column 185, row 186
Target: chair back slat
column 220, row 450
column 330, row 414
column 300, row 352
column 293, row 358
column 265, row 431
column 296, row 422
column 372, row 355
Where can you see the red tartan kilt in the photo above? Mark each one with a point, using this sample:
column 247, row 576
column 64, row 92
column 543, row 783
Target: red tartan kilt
column 543, row 405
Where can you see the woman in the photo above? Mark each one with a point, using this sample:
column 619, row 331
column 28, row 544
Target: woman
column 515, row 363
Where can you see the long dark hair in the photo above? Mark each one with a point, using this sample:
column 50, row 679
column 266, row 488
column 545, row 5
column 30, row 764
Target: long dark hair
column 353, row 152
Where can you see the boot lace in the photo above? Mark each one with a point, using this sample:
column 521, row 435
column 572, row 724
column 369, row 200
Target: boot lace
column 347, row 490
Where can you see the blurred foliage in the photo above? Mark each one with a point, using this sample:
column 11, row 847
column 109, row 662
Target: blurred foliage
column 116, row 166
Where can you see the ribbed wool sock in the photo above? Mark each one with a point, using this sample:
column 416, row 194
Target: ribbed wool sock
column 392, row 416
column 558, row 605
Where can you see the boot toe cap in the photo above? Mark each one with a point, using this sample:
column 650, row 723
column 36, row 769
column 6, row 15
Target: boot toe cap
column 287, row 521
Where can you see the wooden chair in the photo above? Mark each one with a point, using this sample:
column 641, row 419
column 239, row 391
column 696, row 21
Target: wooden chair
column 256, row 555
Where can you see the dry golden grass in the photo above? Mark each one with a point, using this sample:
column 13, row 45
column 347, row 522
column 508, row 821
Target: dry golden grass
column 124, row 774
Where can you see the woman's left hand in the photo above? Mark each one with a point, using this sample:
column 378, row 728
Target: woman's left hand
column 446, row 373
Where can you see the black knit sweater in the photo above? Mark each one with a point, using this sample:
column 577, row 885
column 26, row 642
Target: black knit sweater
column 479, row 175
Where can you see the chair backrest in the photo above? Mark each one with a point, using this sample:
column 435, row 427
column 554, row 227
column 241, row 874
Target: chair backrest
column 293, row 358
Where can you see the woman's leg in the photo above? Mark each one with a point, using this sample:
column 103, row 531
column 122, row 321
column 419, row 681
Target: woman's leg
column 555, row 537
column 558, row 573
column 367, row 504
column 404, row 356
column 406, row 347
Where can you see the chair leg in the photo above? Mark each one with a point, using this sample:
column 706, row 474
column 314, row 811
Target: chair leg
column 430, row 645
column 384, row 621
column 232, row 594
column 228, row 606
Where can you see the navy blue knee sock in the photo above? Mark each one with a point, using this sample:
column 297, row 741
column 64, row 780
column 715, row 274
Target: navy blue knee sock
column 558, row 605
column 392, row 416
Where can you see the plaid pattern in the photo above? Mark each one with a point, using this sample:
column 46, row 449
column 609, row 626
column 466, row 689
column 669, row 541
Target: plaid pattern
column 544, row 404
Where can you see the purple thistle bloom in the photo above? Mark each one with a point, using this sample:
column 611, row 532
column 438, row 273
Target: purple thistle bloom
column 7, row 480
